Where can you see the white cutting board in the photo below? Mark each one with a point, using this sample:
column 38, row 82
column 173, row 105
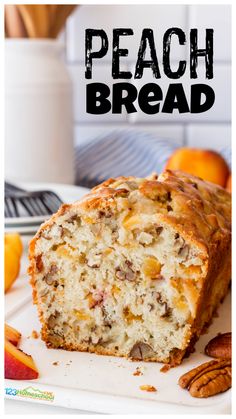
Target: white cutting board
column 100, row 383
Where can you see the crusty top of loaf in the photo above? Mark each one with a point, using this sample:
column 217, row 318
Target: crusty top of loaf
column 199, row 210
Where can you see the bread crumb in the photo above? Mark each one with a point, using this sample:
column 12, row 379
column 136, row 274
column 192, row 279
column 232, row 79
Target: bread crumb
column 34, row 334
column 138, row 371
column 165, row 368
column 55, row 363
column 147, row 387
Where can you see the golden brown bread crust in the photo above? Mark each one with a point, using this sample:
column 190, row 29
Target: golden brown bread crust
column 199, row 210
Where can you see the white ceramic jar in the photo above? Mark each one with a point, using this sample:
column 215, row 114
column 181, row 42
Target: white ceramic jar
column 38, row 112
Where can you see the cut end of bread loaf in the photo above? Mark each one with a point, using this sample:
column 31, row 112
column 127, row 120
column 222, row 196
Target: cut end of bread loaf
column 130, row 270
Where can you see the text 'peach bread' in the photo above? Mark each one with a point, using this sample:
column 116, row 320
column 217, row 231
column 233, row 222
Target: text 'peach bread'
column 136, row 268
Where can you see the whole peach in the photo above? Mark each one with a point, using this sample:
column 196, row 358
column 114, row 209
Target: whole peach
column 206, row 164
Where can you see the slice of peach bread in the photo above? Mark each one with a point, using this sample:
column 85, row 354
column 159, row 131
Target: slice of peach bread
column 136, row 268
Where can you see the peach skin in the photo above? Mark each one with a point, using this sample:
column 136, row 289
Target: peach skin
column 12, row 334
column 18, row 365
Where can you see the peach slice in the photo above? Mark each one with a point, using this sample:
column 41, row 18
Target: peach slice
column 19, row 365
column 14, row 240
column 12, row 334
column 11, row 267
column 12, row 254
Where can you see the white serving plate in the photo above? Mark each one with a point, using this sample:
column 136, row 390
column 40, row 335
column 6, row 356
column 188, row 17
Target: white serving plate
column 106, row 384
column 100, row 383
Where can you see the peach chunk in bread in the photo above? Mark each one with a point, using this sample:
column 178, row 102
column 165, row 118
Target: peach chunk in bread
column 18, row 365
column 12, row 334
column 134, row 269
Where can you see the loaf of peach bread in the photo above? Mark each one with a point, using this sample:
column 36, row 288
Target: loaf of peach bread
column 136, row 268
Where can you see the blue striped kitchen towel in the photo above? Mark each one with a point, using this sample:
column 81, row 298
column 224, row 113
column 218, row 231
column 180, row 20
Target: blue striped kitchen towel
column 120, row 153
column 123, row 153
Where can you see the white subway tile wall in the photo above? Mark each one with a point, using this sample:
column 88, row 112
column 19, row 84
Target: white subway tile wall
column 208, row 130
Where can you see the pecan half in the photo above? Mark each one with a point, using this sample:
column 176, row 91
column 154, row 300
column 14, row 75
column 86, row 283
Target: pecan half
column 220, row 346
column 141, row 351
column 208, row 379
column 211, row 383
column 185, row 380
